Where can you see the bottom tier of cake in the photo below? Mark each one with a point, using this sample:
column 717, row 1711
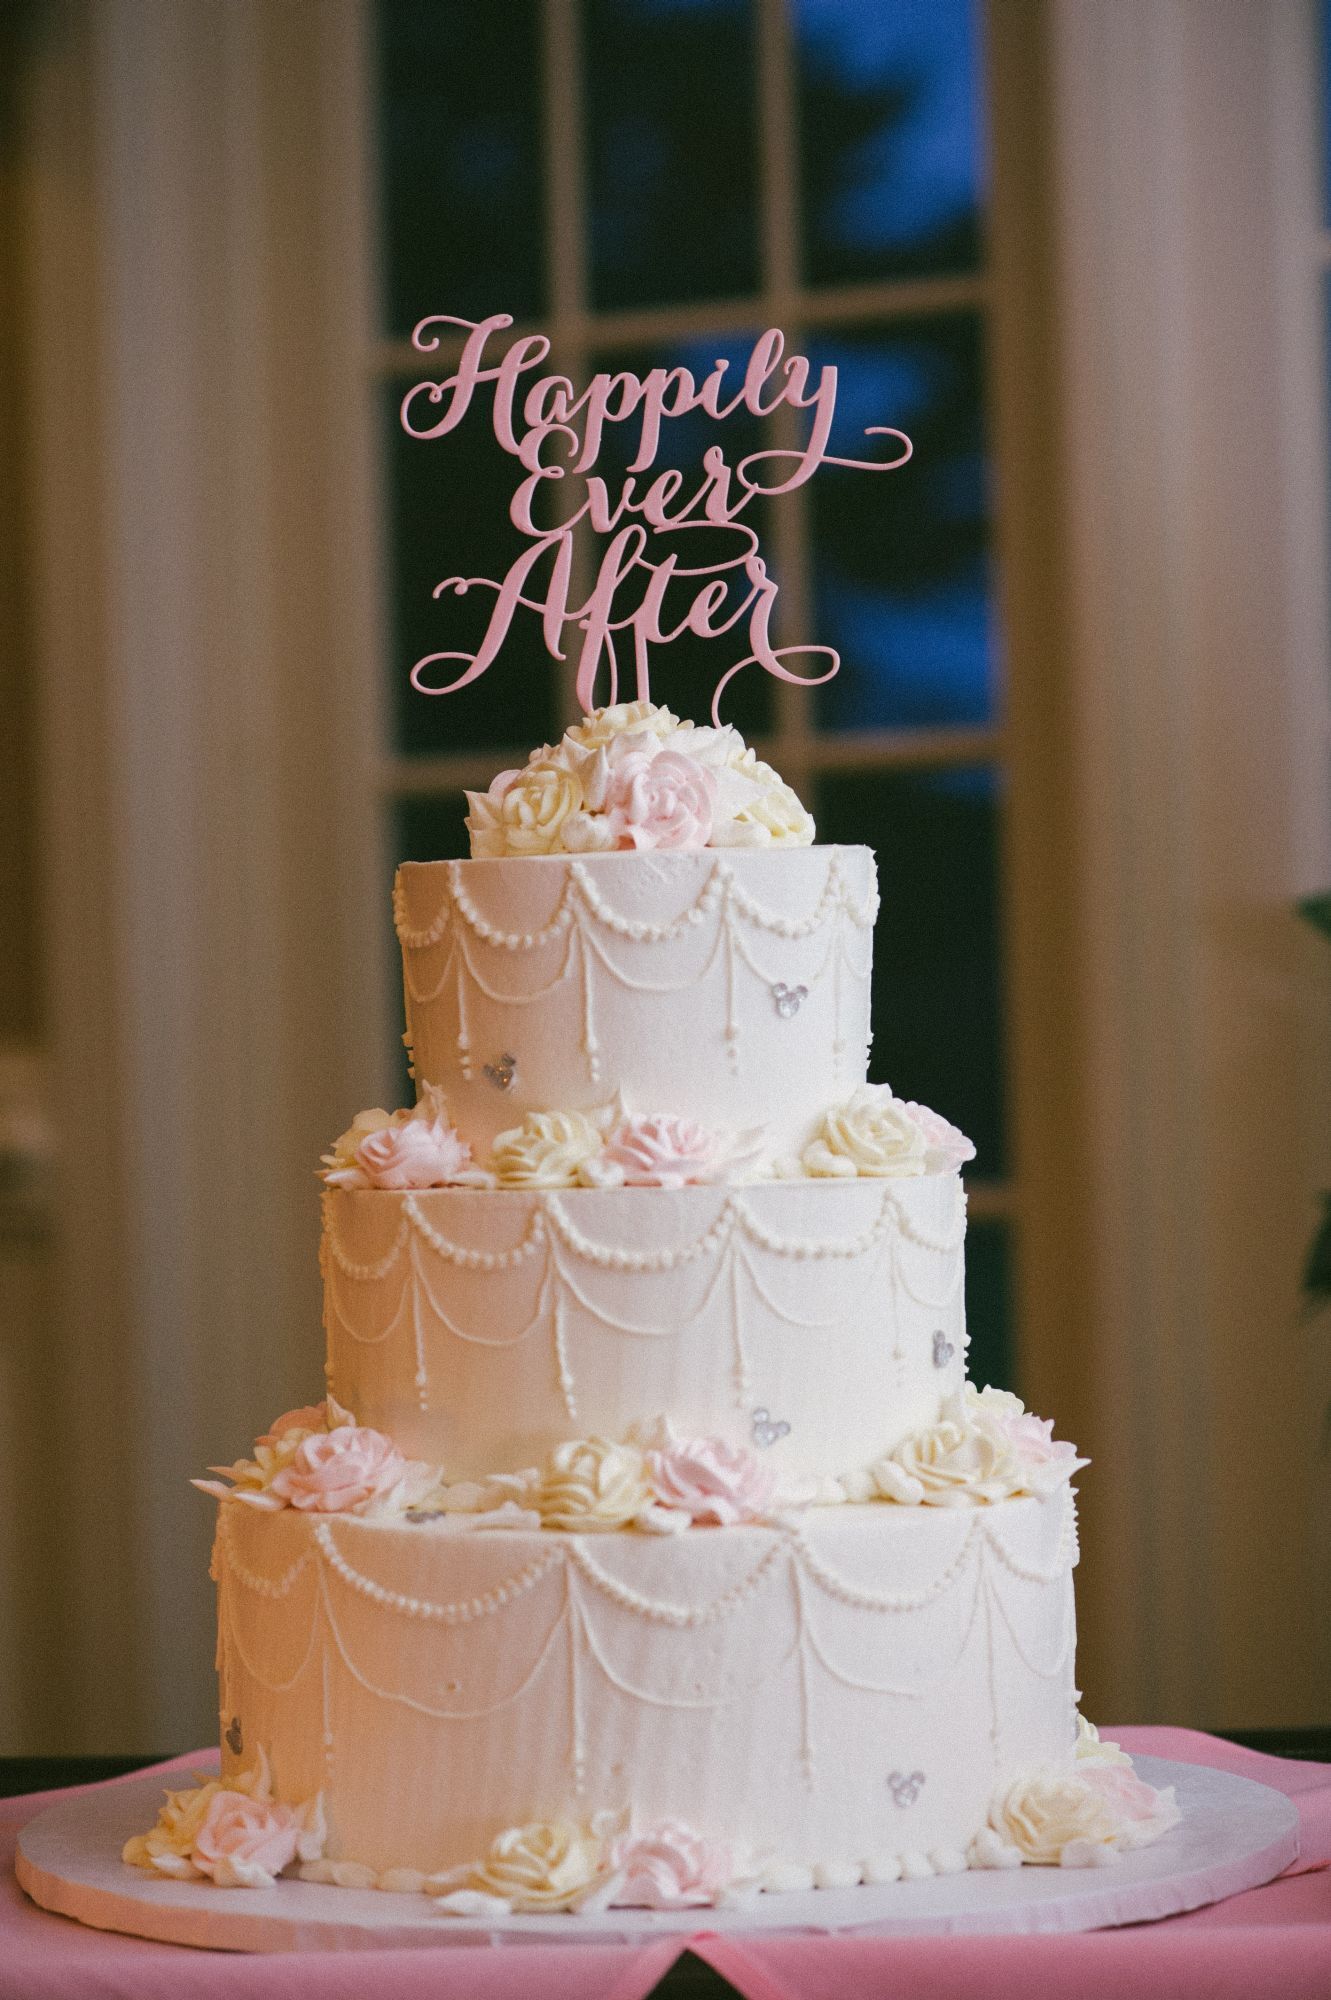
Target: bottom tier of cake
column 838, row 1695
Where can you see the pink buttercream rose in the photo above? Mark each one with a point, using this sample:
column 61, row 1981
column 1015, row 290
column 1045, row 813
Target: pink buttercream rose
column 418, row 1153
column 710, row 1480
column 660, row 1151
column 664, row 800
column 942, row 1138
column 1142, row 1813
column 333, row 1472
column 669, row 1868
column 242, row 1837
column 1034, row 1438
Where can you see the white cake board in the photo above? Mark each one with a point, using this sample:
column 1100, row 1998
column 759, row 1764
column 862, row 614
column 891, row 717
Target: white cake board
column 1235, row 1835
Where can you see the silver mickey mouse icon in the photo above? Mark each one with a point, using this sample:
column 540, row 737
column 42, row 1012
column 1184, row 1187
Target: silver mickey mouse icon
column 501, row 1071
column 905, row 1787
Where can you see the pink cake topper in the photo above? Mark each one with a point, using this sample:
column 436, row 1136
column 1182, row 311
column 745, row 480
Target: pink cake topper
column 556, row 434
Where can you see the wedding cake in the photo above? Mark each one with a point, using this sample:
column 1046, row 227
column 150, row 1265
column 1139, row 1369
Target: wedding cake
column 649, row 1546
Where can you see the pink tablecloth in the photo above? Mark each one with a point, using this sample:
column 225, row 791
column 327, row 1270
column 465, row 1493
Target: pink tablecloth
column 1270, row 1944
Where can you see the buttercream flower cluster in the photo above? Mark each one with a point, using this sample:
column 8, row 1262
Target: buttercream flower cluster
column 1084, row 1817
column 633, row 776
column 874, row 1135
column 657, row 1481
column 985, row 1447
column 549, row 1149
column 321, row 1461
column 562, row 1149
column 560, row 1865
column 232, row 1832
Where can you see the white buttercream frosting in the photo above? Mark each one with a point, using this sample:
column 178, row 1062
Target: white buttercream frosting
column 985, row 1447
column 546, row 1865
column 1081, row 1817
column 634, row 776
column 871, row 1134
column 593, row 1485
column 1092, row 1748
column 550, row 1149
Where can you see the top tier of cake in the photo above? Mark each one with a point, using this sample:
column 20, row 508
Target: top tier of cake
column 730, row 986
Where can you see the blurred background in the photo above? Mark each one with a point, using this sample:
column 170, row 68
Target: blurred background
column 1079, row 250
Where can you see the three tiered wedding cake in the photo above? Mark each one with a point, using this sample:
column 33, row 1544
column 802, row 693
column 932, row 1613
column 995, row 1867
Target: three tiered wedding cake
column 650, row 1546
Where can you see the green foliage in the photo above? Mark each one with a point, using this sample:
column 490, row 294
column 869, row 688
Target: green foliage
column 1317, row 910
column 1317, row 1270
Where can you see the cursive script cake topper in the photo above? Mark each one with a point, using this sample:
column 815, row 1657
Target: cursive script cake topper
column 556, row 434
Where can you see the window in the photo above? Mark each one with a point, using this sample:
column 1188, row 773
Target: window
column 574, row 162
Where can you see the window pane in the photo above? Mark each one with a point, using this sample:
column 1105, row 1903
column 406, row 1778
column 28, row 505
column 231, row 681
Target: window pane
column 901, row 564
column 460, row 148
column 989, row 1305
column 448, row 516
column 671, row 150
column 936, row 1001
column 890, row 141
column 685, row 672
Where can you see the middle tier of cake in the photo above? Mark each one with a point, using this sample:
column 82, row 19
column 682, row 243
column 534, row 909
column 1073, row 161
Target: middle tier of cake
column 819, row 1321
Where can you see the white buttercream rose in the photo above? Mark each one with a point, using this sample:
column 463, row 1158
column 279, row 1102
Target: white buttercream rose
column 544, row 1866
column 524, row 811
column 762, row 811
column 1092, row 1748
column 548, row 1150
column 871, row 1135
column 1043, row 1810
column 719, row 749
column 339, row 1161
column 1043, row 1461
column 592, row 1485
column 603, row 725
column 953, row 1463
column 1079, row 1817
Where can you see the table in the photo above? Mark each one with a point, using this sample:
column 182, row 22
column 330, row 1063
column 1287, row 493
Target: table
column 1273, row 1943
